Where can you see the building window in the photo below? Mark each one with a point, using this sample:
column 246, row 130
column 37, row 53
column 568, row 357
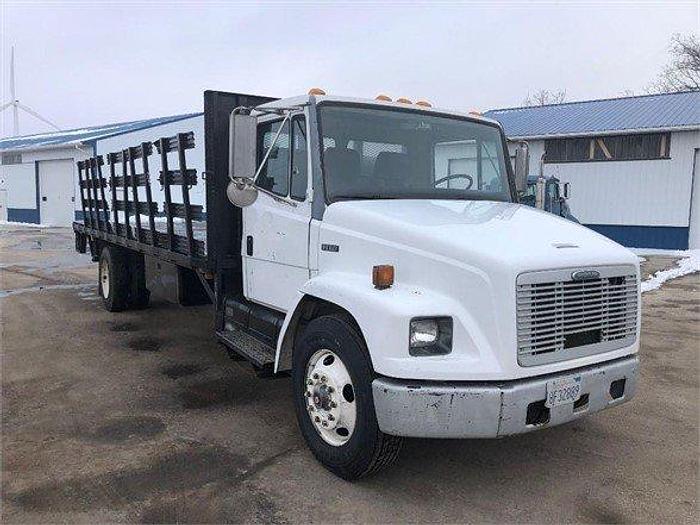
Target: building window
column 12, row 158
column 642, row 146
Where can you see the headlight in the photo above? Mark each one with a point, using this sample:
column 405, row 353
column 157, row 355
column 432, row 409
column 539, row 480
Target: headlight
column 430, row 336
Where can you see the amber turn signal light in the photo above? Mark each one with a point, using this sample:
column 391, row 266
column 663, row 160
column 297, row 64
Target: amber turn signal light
column 383, row 276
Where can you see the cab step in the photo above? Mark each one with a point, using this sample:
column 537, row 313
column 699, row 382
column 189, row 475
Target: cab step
column 251, row 330
column 260, row 354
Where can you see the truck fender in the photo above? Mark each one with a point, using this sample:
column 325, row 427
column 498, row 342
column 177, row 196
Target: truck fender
column 324, row 291
column 375, row 312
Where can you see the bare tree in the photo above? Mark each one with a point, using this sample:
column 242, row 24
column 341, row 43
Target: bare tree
column 683, row 72
column 543, row 97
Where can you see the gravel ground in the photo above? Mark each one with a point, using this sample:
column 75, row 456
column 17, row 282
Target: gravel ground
column 141, row 417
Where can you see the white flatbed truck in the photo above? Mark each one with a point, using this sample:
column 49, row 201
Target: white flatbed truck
column 376, row 251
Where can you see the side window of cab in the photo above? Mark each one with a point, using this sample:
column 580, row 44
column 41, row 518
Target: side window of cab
column 274, row 175
column 285, row 172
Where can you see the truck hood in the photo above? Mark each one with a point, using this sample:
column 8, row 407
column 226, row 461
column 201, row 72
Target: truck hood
column 480, row 233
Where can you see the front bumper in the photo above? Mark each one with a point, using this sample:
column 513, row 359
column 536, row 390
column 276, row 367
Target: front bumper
column 495, row 409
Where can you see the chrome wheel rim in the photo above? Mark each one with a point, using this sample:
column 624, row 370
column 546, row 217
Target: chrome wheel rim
column 104, row 278
column 330, row 398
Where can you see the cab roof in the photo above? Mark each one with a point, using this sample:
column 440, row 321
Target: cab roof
column 303, row 100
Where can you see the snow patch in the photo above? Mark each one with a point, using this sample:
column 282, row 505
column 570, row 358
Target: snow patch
column 25, row 224
column 690, row 263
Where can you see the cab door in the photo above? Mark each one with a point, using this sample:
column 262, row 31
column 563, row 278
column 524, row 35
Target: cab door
column 275, row 241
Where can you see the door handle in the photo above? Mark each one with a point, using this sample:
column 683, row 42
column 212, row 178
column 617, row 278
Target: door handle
column 43, row 199
column 249, row 245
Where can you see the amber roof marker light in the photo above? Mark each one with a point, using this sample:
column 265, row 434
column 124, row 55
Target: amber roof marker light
column 383, row 98
column 316, row 91
column 424, row 104
column 403, row 100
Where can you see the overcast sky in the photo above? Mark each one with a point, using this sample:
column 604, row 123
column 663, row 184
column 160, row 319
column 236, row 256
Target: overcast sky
column 88, row 63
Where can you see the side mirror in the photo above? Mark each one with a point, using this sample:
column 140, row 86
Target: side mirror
column 241, row 190
column 522, row 167
column 567, row 190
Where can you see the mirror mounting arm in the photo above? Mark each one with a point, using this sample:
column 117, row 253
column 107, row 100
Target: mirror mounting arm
column 286, row 118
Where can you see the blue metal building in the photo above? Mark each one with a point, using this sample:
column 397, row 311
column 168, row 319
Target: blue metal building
column 632, row 163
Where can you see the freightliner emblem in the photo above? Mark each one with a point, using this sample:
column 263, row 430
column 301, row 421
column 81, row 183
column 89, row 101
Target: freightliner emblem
column 585, row 275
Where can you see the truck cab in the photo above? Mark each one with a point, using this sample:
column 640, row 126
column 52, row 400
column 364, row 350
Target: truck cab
column 419, row 298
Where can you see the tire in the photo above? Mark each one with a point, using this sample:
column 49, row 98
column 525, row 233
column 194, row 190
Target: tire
column 366, row 449
column 113, row 279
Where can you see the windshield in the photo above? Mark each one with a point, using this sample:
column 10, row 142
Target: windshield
column 389, row 154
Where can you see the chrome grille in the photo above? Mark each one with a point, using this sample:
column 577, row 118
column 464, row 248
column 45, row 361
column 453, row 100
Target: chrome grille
column 563, row 319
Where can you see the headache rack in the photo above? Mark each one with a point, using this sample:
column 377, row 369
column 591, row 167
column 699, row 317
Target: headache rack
column 119, row 207
column 121, row 200
column 560, row 318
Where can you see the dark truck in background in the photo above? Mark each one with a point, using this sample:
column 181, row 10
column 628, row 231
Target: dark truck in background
column 548, row 194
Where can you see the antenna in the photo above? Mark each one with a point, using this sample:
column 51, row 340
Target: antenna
column 17, row 105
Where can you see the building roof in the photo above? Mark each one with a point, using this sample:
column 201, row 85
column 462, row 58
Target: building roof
column 84, row 135
column 666, row 111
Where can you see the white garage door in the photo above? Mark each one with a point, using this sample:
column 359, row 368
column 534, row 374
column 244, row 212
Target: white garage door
column 56, row 192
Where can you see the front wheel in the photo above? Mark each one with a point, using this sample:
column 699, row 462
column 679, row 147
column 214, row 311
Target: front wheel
column 332, row 381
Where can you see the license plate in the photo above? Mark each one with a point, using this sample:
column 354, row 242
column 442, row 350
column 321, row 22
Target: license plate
column 563, row 391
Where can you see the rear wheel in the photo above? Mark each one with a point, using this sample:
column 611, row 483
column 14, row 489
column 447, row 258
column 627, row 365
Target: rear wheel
column 332, row 380
column 113, row 279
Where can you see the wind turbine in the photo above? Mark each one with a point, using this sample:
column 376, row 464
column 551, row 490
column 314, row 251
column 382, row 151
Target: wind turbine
column 16, row 105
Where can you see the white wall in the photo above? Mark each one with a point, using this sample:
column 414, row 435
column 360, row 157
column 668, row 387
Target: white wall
column 641, row 192
column 194, row 157
column 20, row 182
